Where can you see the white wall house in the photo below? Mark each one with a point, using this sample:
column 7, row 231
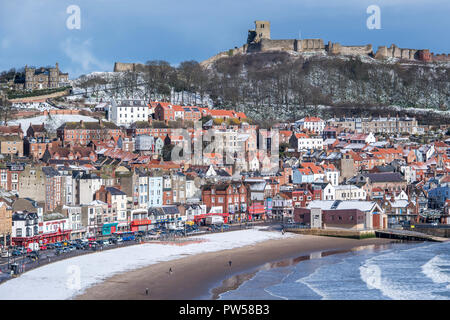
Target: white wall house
column 409, row 172
column 306, row 142
column 329, row 192
column 119, row 201
column 349, row 192
column 332, row 176
column 312, row 124
column 145, row 143
column 150, row 191
column 88, row 184
column 126, row 112
column 25, row 224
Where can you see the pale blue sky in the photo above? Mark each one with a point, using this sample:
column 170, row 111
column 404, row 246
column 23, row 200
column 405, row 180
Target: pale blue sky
column 34, row 32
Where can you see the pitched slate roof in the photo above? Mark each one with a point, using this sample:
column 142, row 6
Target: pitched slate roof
column 385, row 177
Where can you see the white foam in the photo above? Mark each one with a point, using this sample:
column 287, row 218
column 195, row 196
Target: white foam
column 371, row 274
column 432, row 269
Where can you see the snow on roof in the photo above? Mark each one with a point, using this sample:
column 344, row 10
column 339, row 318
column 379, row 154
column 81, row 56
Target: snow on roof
column 364, row 206
column 399, row 203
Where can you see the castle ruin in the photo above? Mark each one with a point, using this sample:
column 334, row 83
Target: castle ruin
column 259, row 40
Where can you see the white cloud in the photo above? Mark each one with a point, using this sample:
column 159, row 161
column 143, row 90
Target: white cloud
column 80, row 53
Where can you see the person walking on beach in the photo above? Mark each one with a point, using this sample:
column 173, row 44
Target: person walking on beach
column 229, row 263
column 170, row 270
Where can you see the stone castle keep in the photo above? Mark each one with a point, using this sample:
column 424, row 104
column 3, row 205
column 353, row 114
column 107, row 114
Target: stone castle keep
column 259, row 40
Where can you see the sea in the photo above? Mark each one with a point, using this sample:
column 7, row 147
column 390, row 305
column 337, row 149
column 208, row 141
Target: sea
column 402, row 271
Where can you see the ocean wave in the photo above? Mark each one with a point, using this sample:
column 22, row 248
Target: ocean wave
column 398, row 274
column 435, row 270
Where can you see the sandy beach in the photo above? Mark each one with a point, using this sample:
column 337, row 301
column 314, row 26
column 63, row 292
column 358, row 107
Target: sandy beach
column 194, row 276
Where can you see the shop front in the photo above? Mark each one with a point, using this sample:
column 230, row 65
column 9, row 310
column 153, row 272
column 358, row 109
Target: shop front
column 41, row 239
column 109, row 228
column 141, row 225
column 256, row 212
column 200, row 219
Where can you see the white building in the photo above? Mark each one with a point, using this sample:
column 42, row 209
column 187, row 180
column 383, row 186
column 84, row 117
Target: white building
column 126, row 112
column 331, row 174
column 306, row 142
column 25, row 224
column 75, row 222
column 145, row 143
column 349, row 192
column 119, row 200
column 329, row 192
column 88, row 184
column 150, row 191
column 314, row 124
column 409, row 172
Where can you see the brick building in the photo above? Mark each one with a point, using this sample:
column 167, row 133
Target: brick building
column 232, row 197
column 82, row 133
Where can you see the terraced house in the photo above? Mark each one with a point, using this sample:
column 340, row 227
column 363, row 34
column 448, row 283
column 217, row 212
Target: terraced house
column 82, row 133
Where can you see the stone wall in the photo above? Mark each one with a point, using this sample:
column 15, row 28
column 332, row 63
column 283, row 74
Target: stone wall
column 277, row 45
column 395, row 52
column 338, row 49
column 303, row 45
column 124, row 67
column 310, row 45
column 440, row 57
column 224, row 54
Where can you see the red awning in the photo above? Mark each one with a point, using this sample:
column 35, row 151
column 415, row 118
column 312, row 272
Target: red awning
column 256, row 208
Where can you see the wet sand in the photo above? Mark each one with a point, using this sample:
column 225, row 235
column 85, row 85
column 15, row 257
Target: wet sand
column 195, row 276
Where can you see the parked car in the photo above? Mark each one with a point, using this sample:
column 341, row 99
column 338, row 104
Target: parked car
column 16, row 253
column 21, row 249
